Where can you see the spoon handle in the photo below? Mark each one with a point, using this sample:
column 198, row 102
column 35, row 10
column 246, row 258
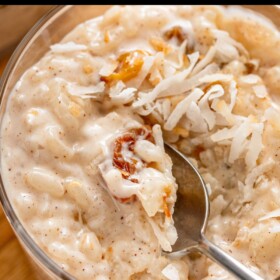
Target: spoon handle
column 229, row 263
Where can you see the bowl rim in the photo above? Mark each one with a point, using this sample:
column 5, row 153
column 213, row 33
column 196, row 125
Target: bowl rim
column 22, row 235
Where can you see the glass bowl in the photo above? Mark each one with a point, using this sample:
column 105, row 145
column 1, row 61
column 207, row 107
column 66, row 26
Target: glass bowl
column 47, row 31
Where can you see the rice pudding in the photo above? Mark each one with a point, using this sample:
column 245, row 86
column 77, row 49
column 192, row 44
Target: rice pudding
column 83, row 159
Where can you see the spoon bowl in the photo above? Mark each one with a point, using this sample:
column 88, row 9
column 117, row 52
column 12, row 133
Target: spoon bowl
column 191, row 215
column 192, row 205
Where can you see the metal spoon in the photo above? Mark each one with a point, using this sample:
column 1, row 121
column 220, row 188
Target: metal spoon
column 191, row 215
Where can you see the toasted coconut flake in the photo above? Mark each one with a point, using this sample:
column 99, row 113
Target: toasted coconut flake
column 166, row 109
column 260, row 91
column 216, row 92
column 181, row 108
column 258, row 171
column 205, row 61
column 68, row 47
column 190, row 83
column 216, row 77
column 208, row 115
column 145, row 70
column 227, row 48
column 233, row 94
column 167, row 83
column 255, row 146
column 181, row 56
column 249, row 79
column 168, row 70
column 121, row 95
column 224, row 134
column 224, row 38
column 163, row 107
column 108, row 68
column 146, row 109
column 117, row 88
column 86, row 92
column 155, row 78
column 226, row 52
column 171, row 272
column 221, row 107
column 239, row 141
column 197, row 121
column 272, row 214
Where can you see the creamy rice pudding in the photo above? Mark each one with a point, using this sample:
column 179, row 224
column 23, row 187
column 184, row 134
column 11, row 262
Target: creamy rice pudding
column 83, row 159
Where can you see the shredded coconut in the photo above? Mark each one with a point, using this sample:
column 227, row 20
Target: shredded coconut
column 170, row 272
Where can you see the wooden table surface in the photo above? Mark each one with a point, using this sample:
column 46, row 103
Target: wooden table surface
column 14, row 264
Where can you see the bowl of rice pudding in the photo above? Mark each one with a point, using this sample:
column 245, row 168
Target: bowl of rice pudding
column 88, row 99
